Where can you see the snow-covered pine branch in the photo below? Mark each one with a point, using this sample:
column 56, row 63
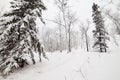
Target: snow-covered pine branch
column 18, row 34
column 100, row 34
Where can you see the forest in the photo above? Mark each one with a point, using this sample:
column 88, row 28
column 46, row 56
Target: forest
column 59, row 39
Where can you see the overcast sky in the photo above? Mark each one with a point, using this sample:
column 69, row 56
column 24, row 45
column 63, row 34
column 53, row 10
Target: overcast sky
column 83, row 9
column 4, row 5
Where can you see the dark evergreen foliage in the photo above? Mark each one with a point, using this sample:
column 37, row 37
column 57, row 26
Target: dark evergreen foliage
column 100, row 33
column 18, row 34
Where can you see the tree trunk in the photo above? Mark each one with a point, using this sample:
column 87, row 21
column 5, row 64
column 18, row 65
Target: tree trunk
column 87, row 45
column 69, row 40
column 60, row 45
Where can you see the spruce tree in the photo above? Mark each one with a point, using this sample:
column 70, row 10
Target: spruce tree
column 18, row 34
column 99, row 33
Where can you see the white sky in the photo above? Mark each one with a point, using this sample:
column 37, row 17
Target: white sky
column 83, row 9
column 4, row 5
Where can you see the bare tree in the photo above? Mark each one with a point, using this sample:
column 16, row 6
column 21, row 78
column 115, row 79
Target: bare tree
column 112, row 15
column 67, row 19
column 115, row 20
column 62, row 6
column 84, row 32
column 71, row 20
column 59, row 20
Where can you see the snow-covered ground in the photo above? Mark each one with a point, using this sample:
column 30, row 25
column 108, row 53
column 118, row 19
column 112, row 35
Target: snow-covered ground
column 77, row 65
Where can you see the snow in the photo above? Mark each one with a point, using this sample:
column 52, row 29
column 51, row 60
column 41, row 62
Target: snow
column 77, row 65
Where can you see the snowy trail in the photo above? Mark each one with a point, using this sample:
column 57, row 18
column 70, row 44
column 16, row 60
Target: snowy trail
column 77, row 65
column 60, row 67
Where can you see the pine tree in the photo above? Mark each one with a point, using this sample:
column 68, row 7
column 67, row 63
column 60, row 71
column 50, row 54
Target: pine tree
column 99, row 33
column 18, row 34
